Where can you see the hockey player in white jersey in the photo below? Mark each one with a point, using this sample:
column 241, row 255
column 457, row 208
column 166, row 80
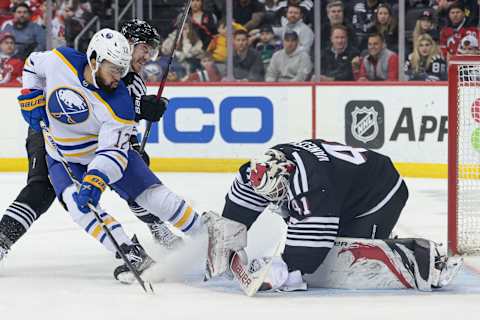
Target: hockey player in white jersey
column 38, row 194
column 91, row 118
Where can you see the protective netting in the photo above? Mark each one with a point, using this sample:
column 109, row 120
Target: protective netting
column 468, row 185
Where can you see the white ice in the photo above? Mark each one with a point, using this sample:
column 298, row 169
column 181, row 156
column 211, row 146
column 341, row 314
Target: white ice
column 56, row 271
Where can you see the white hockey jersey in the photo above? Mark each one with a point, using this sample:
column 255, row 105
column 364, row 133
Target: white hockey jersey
column 90, row 126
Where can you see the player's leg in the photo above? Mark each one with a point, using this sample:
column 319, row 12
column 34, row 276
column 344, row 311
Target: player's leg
column 160, row 230
column 33, row 200
column 141, row 185
column 379, row 223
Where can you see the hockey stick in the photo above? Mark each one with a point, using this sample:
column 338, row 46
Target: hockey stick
column 165, row 74
column 71, row 174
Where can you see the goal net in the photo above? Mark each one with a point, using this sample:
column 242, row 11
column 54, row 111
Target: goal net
column 464, row 155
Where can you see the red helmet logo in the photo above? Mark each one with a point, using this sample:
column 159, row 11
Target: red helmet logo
column 257, row 174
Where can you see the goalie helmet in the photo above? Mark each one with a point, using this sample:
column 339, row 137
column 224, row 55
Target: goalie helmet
column 140, row 31
column 269, row 175
column 110, row 45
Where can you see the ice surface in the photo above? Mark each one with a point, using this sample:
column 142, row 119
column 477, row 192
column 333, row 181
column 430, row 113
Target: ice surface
column 56, row 271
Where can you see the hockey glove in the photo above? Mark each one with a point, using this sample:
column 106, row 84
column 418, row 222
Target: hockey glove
column 93, row 184
column 136, row 146
column 32, row 105
column 151, row 109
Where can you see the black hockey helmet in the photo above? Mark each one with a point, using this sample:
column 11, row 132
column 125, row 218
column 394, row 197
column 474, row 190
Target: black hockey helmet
column 140, row 31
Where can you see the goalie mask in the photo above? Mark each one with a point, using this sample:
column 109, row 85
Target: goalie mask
column 269, row 175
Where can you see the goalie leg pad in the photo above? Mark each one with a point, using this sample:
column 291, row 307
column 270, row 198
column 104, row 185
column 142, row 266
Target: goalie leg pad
column 224, row 237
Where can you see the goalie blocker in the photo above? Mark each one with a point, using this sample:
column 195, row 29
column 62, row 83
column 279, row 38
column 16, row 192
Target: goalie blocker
column 327, row 190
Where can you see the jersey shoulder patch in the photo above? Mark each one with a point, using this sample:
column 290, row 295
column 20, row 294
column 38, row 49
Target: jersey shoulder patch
column 118, row 103
column 73, row 59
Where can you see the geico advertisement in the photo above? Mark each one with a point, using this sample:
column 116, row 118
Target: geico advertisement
column 229, row 122
column 409, row 124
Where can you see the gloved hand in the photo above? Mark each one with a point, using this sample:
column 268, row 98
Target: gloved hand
column 93, row 184
column 32, row 104
column 151, row 109
column 136, row 146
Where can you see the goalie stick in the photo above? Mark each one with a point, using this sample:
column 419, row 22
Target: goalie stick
column 71, row 174
column 167, row 70
column 251, row 281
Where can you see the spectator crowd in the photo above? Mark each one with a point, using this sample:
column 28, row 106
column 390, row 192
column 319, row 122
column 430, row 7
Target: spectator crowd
column 273, row 40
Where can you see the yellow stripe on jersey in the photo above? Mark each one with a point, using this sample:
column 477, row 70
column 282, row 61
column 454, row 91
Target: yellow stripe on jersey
column 67, row 63
column 110, row 110
column 184, row 218
column 80, row 154
column 84, row 138
column 121, row 160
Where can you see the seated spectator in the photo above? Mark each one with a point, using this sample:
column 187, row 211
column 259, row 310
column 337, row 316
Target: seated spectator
column 295, row 23
column 458, row 27
column 442, row 8
column 207, row 73
column 336, row 16
column 266, row 45
column 363, row 19
column 217, row 7
column 11, row 67
column 291, row 63
column 218, row 45
column 188, row 49
column 249, row 13
column 305, row 5
column 336, row 64
column 380, row 64
column 425, row 24
column 425, row 63
column 386, row 24
column 272, row 17
column 29, row 36
column 203, row 22
column 247, row 65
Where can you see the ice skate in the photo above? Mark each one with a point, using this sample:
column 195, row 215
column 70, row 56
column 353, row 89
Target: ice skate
column 137, row 256
column 5, row 244
column 164, row 236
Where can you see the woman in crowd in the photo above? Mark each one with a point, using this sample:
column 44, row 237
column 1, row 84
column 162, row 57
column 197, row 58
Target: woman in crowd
column 203, row 22
column 386, row 25
column 425, row 63
column 188, row 50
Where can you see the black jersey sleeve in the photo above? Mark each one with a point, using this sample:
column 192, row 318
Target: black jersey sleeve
column 136, row 88
column 242, row 203
column 314, row 211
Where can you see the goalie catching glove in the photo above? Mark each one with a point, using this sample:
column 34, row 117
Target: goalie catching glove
column 93, row 184
column 33, row 107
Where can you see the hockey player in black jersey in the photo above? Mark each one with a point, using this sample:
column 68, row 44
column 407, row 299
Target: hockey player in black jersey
column 324, row 191
column 38, row 195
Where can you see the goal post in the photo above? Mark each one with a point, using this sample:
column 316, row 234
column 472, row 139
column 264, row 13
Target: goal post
column 464, row 155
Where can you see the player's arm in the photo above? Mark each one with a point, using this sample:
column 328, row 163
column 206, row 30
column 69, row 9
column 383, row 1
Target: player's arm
column 242, row 203
column 32, row 99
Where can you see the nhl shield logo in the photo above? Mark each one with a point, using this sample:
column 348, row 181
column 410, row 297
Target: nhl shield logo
column 364, row 124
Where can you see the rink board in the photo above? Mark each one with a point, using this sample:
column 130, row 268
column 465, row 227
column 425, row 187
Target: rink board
column 217, row 127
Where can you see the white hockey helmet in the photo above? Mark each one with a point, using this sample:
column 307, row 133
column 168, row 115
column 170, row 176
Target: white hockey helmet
column 110, row 45
column 269, row 175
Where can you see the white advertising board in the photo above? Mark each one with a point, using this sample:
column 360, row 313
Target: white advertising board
column 408, row 123
column 230, row 122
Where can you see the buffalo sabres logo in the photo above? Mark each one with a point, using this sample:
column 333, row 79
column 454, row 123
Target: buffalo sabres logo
column 68, row 106
column 364, row 124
